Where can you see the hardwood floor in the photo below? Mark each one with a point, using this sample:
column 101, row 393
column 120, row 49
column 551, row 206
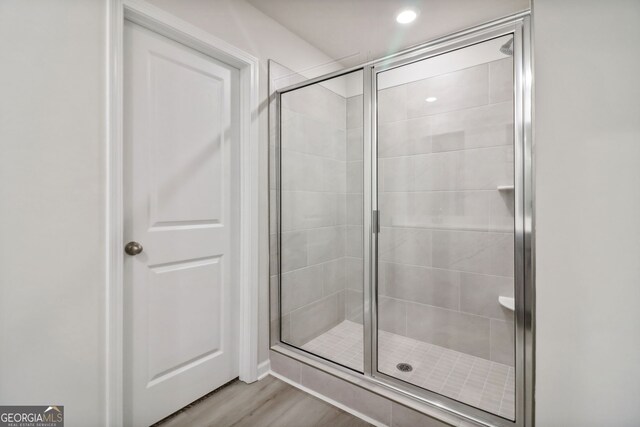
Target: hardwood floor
column 269, row 402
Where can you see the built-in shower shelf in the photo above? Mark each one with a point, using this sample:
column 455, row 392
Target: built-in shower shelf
column 505, row 187
column 507, row 302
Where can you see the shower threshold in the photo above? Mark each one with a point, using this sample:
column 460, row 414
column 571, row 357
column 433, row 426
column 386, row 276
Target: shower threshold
column 473, row 380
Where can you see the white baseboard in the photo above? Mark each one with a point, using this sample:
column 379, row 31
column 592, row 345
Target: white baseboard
column 328, row 400
column 263, row 369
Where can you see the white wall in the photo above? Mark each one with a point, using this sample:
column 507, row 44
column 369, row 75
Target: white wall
column 52, row 192
column 587, row 136
column 244, row 26
column 53, row 188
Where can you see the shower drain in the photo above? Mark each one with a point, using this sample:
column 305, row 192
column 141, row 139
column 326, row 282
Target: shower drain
column 404, row 367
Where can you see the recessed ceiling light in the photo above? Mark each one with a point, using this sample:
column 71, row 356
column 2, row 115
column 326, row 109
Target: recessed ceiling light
column 431, row 99
column 406, row 16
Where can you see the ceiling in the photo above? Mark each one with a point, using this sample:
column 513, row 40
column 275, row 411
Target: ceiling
column 355, row 31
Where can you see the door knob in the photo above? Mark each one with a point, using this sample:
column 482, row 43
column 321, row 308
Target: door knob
column 133, row 248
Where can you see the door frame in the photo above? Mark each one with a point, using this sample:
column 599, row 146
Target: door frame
column 161, row 22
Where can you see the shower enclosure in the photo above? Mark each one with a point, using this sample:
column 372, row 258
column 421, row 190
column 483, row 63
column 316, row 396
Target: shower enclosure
column 403, row 222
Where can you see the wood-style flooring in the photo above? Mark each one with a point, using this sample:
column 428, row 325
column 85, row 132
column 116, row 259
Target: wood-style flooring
column 269, row 402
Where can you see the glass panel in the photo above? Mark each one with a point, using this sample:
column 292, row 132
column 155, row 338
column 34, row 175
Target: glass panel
column 321, row 223
column 446, row 246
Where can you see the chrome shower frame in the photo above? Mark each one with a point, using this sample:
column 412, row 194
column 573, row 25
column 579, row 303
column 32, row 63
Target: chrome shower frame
column 519, row 26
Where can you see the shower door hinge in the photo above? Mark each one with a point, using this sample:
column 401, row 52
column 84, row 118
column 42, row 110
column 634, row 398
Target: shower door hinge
column 375, row 221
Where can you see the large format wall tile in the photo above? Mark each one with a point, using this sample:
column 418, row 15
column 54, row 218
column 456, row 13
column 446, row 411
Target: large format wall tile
column 392, row 315
column 397, row 210
column 455, row 91
column 463, row 210
column 359, row 399
column 476, row 252
column 485, row 126
column 502, row 342
column 285, row 366
column 354, row 112
column 354, row 272
column 419, row 133
column 392, row 104
column 439, row 166
column 502, row 211
column 354, row 177
column 285, row 328
column 446, row 245
column 354, row 209
column 421, row 284
column 405, row 245
column 334, row 276
column 354, row 241
column 501, row 80
column 305, row 210
column 447, row 231
column 370, row 404
column 325, row 244
column 482, row 210
column 397, row 174
column 402, row 416
column 342, row 305
column 311, row 136
column 448, row 328
column 477, row 169
column 318, row 102
column 423, row 167
column 354, row 144
column 479, row 295
column 314, row 319
column 404, row 137
column 301, row 287
column 301, row 171
column 474, row 169
column 294, row 250
column 354, row 304
column 391, row 138
column 314, row 211
column 334, row 175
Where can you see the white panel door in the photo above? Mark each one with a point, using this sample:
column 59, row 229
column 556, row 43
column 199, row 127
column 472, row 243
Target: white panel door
column 181, row 205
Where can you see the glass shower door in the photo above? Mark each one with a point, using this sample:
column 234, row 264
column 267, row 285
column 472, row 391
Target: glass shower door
column 320, row 229
column 445, row 248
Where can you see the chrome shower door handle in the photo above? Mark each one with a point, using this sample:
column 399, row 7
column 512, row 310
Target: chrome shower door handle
column 375, row 222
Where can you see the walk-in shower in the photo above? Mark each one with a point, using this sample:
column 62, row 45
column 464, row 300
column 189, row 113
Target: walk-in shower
column 403, row 212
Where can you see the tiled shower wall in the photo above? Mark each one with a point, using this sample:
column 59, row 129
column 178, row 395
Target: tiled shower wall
column 446, row 240
column 354, row 239
column 314, row 226
column 446, row 243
